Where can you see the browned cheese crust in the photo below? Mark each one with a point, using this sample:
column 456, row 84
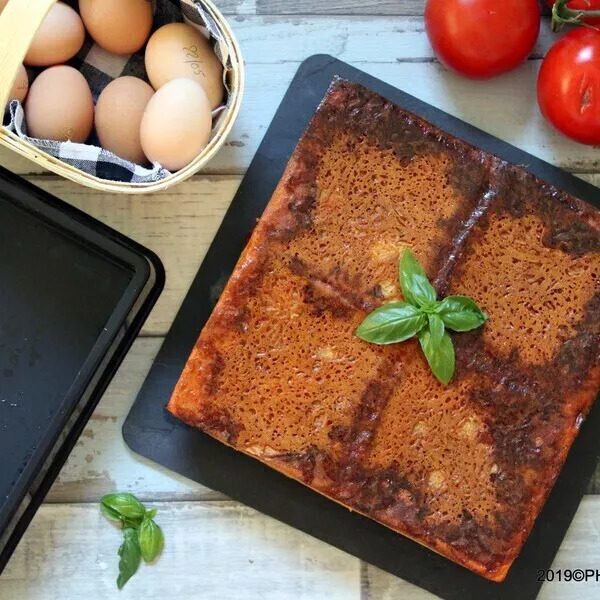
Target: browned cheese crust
column 278, row 373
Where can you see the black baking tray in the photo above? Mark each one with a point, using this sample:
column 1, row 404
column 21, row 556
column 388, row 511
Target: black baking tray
column 152, row 432
column 73, row 296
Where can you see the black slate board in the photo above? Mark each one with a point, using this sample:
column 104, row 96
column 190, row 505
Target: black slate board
column 73, row 296
column 152, row 432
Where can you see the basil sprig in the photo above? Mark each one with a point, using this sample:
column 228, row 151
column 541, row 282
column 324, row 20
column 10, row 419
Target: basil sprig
column 142, row 537
column 424, row 316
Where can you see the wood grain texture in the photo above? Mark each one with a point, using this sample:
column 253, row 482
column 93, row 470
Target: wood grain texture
column 217, row 549
column 328, row 7
column 101, row 462
column 397, row 51
column 17, row 29
column 178, row 225
column 222, row 550
column 213, row 551
column 340, row 7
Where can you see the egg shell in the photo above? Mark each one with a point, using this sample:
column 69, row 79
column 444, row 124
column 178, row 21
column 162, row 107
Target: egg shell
column 180, row 50
column 119, row 112
column 20, row 86
column 60, row 106
column 58, row 39
column 3, row 3
column 119, row 26
column 176, row 125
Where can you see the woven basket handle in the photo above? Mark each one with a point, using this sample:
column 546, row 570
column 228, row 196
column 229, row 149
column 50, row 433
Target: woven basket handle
column 19, row 21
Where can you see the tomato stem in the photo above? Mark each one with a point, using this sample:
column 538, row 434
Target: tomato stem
column 563, row 15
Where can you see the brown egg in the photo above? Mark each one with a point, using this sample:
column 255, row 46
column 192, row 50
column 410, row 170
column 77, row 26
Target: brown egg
column 119, row 113
column 60, row 106
column 58, row 39
column 119, row 26
column 179, row 50
column 176, row 124
column 20, row 86
column 3, row 3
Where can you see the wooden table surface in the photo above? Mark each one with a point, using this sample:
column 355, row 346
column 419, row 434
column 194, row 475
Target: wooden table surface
column 216, row 548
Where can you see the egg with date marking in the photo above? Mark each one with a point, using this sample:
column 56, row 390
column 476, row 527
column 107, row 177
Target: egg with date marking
column 179, row 50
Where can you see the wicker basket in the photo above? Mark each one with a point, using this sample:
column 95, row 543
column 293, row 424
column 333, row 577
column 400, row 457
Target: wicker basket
column 19, row 22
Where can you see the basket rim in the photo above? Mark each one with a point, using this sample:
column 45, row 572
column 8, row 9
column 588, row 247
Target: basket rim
column 24, row 148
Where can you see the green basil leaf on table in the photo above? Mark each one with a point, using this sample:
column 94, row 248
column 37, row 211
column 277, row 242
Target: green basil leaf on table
column 110, row 513
column 151, row 539
column 436, row 329
column 440, row 359
column 460, row 313
column 123, row 504
column 130, row 555
column 392, row 323
column 414, row 283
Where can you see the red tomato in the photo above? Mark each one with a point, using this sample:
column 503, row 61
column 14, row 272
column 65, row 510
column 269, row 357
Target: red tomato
column 482, row 38
column 581, row 5
column 568, row 86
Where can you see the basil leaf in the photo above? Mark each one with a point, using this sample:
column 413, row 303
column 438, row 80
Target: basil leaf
column 125, row 505
column 130, row 554
column 414, row 283
column 150, row 514
column 109, row 513
column 460, row 313
column 151, row 539
column 440, row 359
column 436, row 329
column 391, row 323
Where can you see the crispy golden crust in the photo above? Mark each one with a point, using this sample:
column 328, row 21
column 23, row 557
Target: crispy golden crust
column 277, row 372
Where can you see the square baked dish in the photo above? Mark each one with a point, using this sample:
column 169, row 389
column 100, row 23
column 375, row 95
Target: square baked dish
column 278, row 373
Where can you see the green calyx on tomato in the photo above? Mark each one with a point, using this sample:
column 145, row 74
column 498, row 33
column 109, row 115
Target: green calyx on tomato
column 574, row 12
column 568, row 86
column 482, row 38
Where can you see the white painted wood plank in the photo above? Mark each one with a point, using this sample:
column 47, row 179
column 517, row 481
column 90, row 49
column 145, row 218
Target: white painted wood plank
column 237, row 7
column 505, row 107
column 365, row 39
column 214, row 551
column 224, row 550
column 340, row 7
column 274, row 46
column 101, row 462
column 580, row 550
column 178, row 225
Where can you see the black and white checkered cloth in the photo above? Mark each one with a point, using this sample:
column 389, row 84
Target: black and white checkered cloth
column 100, row 68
